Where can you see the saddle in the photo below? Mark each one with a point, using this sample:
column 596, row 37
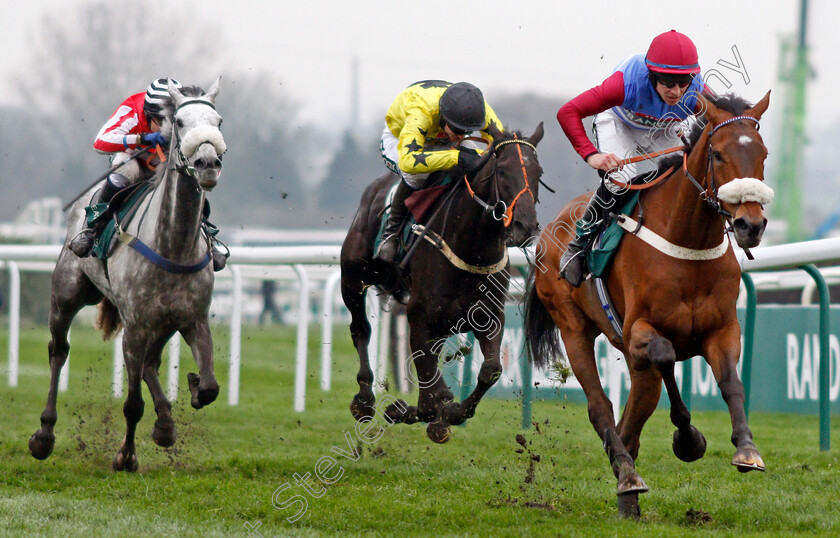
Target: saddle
column 106, row 219
column 419, row 205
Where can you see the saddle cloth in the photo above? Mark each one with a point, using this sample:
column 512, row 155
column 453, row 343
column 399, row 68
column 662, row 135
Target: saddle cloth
column 599, row 257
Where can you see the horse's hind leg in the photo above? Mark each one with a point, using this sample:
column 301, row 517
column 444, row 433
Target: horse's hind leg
column 647, row 344
column 203, row 387
column 722, row 352
column 164, row 430
column 71, row 290
column 353, row 292
column 580, row 350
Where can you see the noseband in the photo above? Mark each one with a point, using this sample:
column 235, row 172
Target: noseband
column 712, row 198
column 180, row 163
column 500, row 211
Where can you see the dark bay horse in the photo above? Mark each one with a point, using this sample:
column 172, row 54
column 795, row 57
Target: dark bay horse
column 459, row 286
column 151, row 302
column 676, row 296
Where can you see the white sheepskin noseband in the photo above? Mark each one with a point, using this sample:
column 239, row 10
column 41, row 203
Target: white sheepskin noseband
column 201, row 135
column 745, row 189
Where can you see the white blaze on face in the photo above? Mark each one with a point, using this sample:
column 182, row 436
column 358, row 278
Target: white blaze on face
column 745, row 140
column 745, row 189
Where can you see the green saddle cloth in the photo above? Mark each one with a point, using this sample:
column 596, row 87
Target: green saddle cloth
column 598, row 257
column 104, row 240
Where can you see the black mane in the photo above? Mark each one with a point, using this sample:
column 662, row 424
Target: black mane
column 729, row 102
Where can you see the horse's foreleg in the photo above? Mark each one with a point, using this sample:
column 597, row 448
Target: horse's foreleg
column 353, row 292
column 646, row 344
column 71, row 291
column 722, row 352
column 134, row 350
column 491, row 370
column 204, row 388
column 164, row 430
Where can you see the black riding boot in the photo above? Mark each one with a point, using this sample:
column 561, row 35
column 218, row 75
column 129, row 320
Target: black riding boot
column 391, row 242
column 82, row 244
column 573, row 262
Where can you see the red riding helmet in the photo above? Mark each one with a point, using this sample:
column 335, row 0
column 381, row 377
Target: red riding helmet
column 672, row 53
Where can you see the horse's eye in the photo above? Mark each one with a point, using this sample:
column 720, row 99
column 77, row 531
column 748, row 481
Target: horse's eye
column 718, row 157
column 180, row 123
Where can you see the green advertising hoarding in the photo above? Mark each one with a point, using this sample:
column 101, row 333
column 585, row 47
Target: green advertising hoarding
column 785, row 368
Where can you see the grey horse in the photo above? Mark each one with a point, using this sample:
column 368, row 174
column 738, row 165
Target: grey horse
column 154, row 294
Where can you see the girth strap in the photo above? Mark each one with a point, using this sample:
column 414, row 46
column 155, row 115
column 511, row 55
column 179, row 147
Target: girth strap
column 453, row 258
column 160, row 261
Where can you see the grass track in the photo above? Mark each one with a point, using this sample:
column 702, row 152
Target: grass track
column 229, row 461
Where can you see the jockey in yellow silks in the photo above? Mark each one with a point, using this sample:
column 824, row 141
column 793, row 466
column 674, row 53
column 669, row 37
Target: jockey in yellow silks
column 423, row 128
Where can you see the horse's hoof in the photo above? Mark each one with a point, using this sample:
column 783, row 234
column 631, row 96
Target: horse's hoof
column 208, row 395
column 439, row 431
column 689, row 446
column 362, row 408
column 120, row 463
column 628, row 506
column 631, row 483
column 748, row 459
column 192, row 382
column 453, row 414
column 164, row 433
column 41, row 444
column 396, row 412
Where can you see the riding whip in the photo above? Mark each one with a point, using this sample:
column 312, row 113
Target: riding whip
column 103, row 176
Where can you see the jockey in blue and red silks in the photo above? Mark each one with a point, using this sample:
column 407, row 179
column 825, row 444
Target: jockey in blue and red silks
column 640, row 109
column 423, row 126
column 134, row 125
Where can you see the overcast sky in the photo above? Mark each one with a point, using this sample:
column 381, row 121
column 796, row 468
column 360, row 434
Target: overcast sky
column 553, row 48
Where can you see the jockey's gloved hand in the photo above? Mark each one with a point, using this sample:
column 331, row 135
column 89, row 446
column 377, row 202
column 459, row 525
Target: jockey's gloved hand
column 152, row 139
column 468, row 160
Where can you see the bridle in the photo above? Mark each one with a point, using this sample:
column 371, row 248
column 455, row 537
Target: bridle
column 711, row 198
column 180, row 162
column 501, row 211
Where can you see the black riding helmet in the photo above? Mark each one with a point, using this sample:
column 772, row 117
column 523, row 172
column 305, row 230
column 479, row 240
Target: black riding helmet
column 462, row 108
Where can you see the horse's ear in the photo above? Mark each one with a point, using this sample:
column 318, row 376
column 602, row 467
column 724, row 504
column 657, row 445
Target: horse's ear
column 175, row 93
column 494, row 131
column 538, row 134
column 713, row 113
column 213, row 91
column 760, row 107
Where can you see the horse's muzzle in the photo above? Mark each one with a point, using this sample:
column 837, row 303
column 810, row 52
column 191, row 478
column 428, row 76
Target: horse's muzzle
column 519, row 235
column 208, row 169
column 748, row 232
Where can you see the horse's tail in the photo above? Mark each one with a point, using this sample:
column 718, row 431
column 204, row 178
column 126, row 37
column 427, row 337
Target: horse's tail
column 108, row 319
column 542, row 339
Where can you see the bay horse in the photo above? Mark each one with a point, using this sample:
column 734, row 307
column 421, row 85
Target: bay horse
column 457, row 278
column 676, row 299
column 154, row 294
